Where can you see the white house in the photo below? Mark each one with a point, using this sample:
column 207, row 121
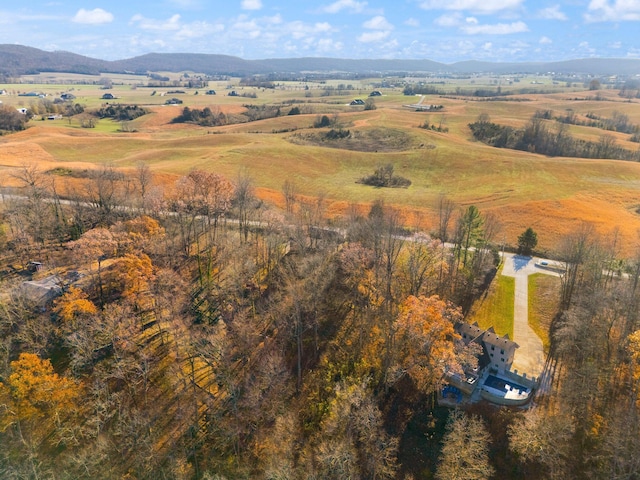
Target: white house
column 498, row 352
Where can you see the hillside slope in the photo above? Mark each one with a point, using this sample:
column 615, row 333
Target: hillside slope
column 20, row 60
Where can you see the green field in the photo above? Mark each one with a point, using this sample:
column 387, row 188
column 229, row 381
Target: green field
column 543, row 304
column 496, row 308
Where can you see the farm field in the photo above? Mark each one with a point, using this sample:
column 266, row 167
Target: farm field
column 552, row 195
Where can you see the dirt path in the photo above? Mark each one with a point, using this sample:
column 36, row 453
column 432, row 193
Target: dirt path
column 530, row 357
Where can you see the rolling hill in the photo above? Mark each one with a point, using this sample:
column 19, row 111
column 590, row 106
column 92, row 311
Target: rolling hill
column 20, row 60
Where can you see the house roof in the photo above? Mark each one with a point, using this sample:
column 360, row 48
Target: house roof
column 493, row 338
column 471, row 331
column 490, row 337
column 41, row 291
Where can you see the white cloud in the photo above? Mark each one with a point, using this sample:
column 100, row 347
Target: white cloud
column 615, row 45
column 274, row 20
column 615, row 11
column 171, row 24
column 327, row 45
column 552, row 13
column 633, row 53
column 378, row 23
column 412, row 22
column 246, row 29
column 186, row 4
column 545, row 41
column 11, row 18
column 321, row 27
column 174, row 25
column 251, row 4
column 474, row 28
column 381, row 30
column 484, row 6
column 339, row 5
column 97, row 16
column 375, row 36
column 449, row 20
column 299, row 29
column 198, row 30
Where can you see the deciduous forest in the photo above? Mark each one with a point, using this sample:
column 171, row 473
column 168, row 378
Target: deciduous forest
column 195, row 332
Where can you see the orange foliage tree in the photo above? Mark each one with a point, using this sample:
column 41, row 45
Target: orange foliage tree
column 133, row 274
column 138, row 233
column 633, row 349
column 93, row 245
column 73, row 304
column 424, row 343
column 35, row 393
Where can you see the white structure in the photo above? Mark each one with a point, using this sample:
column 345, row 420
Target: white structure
column 498, row 352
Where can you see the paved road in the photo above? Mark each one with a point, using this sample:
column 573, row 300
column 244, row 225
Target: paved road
column 530, row 357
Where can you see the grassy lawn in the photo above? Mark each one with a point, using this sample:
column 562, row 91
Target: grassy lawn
column 495, row 309
column 543, row 304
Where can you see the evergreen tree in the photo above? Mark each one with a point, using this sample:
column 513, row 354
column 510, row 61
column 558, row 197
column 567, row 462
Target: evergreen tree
column 527, row 241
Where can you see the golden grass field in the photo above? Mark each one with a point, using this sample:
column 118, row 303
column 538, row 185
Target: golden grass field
column 552, row 195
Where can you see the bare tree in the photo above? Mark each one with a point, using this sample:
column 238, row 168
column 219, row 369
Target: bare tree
column 35, row 212
column 574, row 253
column 352, row 442
column 445, row 211
column 543, row 438
column 103, row 192
column 144, row 178
column 244, row 200
column 290, row 193
column 465, row 451
column 420, row 264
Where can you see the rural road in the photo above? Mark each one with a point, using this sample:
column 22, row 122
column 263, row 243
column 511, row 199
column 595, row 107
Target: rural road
column 530, row 357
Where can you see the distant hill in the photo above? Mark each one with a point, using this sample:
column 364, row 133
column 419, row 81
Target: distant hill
column 189, row 62
column 20, row 60
column 325, row 64
column 592, row 66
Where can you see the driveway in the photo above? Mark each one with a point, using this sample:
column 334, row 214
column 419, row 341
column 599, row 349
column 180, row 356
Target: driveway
column 530, row 357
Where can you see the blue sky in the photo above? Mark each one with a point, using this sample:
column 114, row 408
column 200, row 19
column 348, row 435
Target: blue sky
column 441, row 30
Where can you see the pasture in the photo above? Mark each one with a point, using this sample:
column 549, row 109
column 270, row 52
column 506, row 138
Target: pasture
column 522, row 189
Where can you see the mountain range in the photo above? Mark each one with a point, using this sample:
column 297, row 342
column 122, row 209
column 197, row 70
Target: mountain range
column 20, row 60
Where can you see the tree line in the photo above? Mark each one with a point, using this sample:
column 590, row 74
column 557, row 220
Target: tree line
column 619, row 122
column 536, row 137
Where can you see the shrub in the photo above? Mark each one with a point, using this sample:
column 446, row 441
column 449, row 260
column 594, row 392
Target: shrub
column 384, row 177
column 11, row 119
column 337, row 134
column 121, row 113
column 322, row 121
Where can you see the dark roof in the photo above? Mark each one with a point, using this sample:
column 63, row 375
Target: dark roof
column 492, row 338
column 475, row 333
column 469, row 332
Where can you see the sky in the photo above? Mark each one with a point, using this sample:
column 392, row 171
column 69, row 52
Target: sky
column 441, row 30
